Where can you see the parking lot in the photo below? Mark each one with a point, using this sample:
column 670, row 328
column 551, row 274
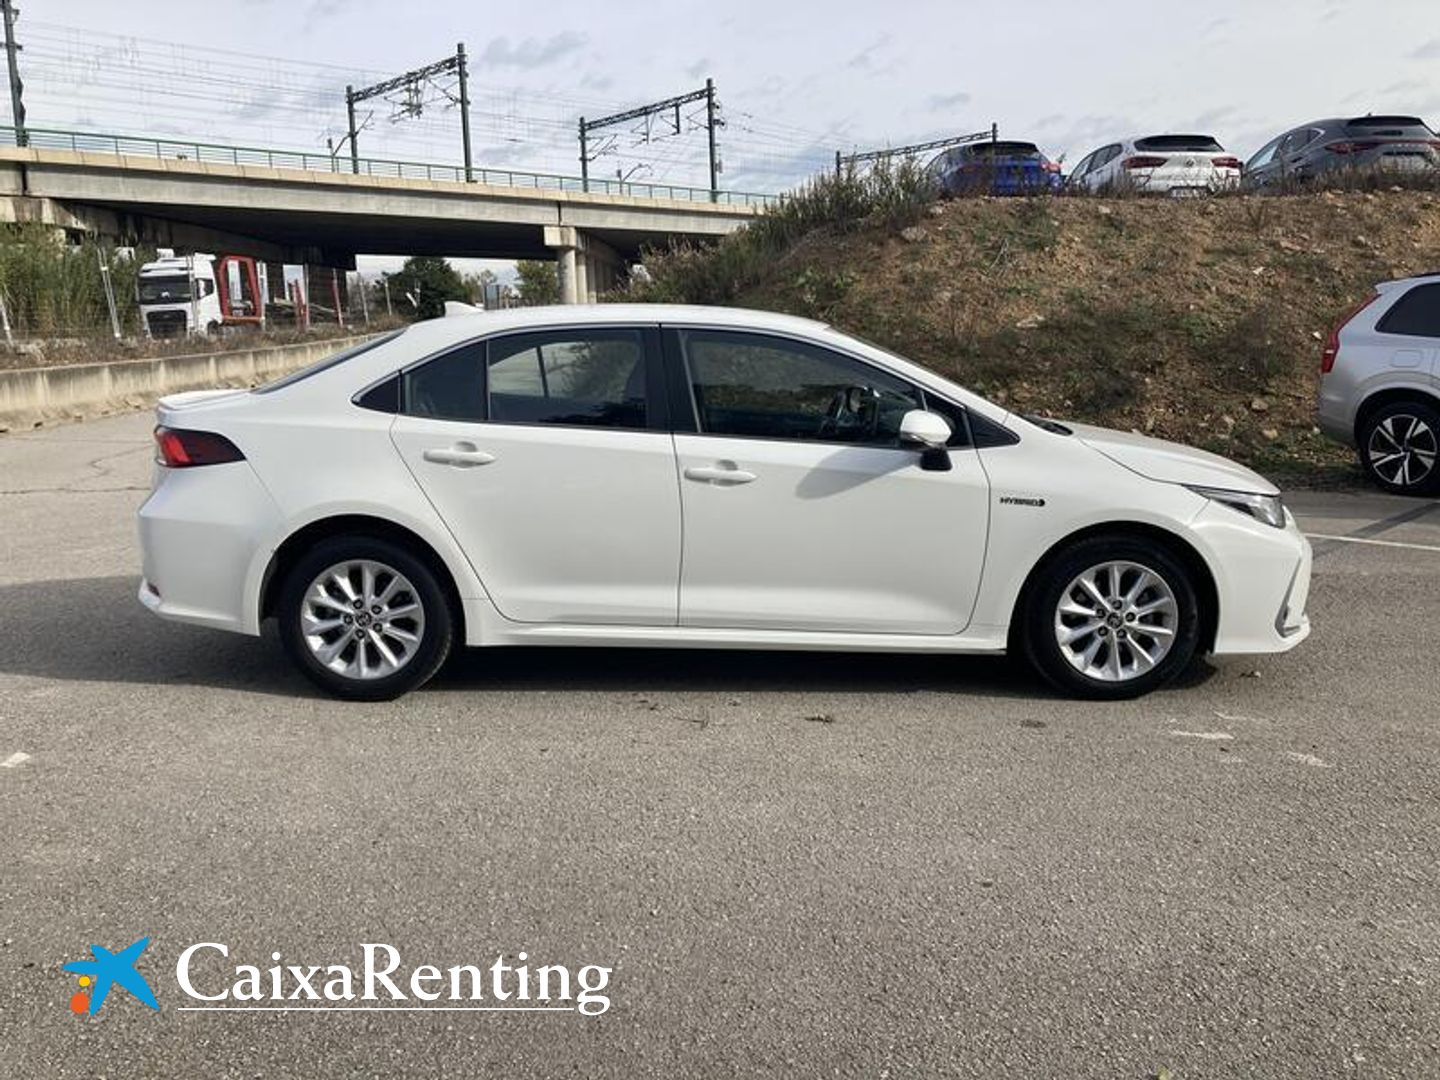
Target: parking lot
column 795, row 864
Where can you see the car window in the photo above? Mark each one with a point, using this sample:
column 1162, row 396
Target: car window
column 1084, row 166
column 1107, row 155
column 590, row 377
column 1264, row 154
column 1417, row 313
column 1297, row 141
column 449, row 387
column 775, row 388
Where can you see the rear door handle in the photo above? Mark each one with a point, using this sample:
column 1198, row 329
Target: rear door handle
column 715, row 474
column 461, row 455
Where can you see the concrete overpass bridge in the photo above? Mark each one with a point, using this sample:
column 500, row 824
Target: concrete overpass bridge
column 311, row 208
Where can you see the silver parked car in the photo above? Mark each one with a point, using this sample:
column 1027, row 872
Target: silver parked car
column 1400, row 144
column 1380, row 384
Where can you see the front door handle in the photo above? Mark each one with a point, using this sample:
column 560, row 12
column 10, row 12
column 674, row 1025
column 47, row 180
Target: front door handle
column 717, row 474
column 462, row 455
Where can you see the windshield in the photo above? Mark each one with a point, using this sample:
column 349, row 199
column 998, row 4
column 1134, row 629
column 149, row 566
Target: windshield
column 164, row 290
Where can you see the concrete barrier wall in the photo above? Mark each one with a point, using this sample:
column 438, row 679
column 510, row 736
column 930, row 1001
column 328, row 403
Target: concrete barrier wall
column 31, row 397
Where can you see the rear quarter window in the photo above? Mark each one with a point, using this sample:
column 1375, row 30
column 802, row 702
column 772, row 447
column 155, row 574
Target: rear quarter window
column 1416, row 314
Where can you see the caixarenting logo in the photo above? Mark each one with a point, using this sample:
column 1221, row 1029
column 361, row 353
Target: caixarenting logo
column 380, row 982
column 97, row 976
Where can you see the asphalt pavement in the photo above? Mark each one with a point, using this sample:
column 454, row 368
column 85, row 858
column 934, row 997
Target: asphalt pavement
column 796, row 865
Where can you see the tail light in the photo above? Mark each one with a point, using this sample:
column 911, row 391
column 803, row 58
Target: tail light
column 1350, row 147
column 176, row 448
column 1332, row 341
column 1050, row 166
column 1143, row 162
column 1225, row 162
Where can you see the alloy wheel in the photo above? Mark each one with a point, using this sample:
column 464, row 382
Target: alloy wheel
column 1116, row 621
column 362, row 619
column 1402, row 449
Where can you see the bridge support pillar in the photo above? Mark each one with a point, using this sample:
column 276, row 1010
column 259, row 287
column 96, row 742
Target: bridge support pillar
column 588, row 267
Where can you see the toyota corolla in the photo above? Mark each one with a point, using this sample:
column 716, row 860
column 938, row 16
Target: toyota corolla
column 680, row 477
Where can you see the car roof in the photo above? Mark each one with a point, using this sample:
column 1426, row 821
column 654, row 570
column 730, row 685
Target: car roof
column 452, row 329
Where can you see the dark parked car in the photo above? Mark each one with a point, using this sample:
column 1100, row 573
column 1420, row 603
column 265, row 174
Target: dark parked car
column 1403, row 144
column 995, row 167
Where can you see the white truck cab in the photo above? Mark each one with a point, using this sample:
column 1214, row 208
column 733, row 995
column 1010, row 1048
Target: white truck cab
column 198, row 294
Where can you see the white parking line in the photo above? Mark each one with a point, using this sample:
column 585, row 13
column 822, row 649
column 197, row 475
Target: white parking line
column 1215, row 736
column 17, row 758
column 1374, row 543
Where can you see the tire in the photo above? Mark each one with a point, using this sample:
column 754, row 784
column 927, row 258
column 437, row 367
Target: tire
column 1397, row 445
column 364, row 655
column 1124, row 660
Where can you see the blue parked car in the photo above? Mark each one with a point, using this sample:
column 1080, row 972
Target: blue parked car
column 995, row 167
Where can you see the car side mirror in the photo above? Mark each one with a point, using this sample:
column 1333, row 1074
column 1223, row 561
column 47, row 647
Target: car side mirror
column 927, row 432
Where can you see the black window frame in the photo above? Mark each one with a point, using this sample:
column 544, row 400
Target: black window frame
column 1387, row 320
column 657, row 409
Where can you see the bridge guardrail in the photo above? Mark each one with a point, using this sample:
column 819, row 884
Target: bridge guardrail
column 215, row 153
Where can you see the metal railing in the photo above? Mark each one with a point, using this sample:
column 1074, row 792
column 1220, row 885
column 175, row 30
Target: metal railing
column 213, row 153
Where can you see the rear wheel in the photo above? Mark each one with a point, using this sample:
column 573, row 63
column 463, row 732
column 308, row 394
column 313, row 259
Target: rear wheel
column 364, row 619
column 1398, row 447
column 1111, row 617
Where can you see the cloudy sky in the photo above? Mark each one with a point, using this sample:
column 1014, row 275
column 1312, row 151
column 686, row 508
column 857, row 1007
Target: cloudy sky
column 797, row 79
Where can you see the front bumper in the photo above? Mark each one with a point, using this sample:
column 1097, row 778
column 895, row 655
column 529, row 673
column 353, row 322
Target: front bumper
column 1262, row 579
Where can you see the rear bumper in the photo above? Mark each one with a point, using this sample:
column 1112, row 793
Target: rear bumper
column 201, row 531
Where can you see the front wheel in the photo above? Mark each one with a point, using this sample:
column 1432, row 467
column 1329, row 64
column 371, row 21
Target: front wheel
column 1111, row 617
column 1398, row 447
column 364, row 618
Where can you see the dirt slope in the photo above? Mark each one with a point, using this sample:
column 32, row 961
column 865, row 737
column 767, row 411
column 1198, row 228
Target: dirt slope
column 1200, row 321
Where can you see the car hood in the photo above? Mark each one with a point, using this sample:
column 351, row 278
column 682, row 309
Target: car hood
column 1171, row 462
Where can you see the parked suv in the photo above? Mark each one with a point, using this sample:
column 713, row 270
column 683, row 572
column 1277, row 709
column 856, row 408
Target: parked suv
column 1401, row 144
column 995, row 168
column 1380, row 384
column 1158, row 165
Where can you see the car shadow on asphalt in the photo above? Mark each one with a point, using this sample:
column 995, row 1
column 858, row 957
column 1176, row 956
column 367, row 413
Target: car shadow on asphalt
column 95, row 630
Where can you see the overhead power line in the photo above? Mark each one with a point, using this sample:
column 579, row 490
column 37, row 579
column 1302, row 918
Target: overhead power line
column 412, row 84
column 654, row 109
column 841, row 160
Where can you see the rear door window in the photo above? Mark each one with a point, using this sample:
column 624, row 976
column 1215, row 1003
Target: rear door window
column 1416, row 314
column 585, row 377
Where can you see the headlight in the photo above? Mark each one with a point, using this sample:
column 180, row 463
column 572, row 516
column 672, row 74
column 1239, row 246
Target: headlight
column 1267, row 508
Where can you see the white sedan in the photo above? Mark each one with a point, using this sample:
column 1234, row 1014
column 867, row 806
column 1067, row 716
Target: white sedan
column 1158, row 165
column 696, row 477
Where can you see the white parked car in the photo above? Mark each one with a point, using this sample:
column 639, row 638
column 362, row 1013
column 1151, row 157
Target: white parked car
column 677, row 477
column 1159, row 165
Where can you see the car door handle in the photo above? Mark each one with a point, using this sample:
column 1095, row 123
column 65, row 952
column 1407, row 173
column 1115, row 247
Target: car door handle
column 461, row 455
column 715, row 474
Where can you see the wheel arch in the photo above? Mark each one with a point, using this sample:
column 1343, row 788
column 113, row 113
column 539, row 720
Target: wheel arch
column 297, row 543
column 1389, row 396
column 1178, row 546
